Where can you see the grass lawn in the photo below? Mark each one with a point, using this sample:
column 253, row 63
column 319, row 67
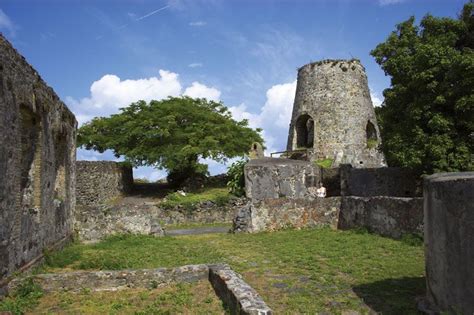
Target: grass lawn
column 303, row 271
column 196, row 298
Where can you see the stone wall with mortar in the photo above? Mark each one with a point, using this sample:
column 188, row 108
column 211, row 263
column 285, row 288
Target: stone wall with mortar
column 37, row 170
column 449, row 242
column 270, row 178
column 387, row 216
column 333, row 114
column 282, row 193
column 96, row 222
column 98, row 182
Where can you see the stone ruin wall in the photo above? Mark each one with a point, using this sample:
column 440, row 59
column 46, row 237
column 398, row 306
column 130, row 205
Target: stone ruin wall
column 102, row 209
column 333, row 114
column 282, row 194
column 37, row 171
column 98, row 182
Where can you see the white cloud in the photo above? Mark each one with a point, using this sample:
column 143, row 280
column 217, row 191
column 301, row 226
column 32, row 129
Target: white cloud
column 195, row 65
column 274, row 117
column 6, row 23
column 198, row 90
column 197, row 23
column 376, row 100
column 110, row 93
column 279, row 104
column 389, row 2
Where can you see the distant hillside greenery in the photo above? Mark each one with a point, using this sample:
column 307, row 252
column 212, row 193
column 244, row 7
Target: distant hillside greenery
column 174, row 134
column 427, row 120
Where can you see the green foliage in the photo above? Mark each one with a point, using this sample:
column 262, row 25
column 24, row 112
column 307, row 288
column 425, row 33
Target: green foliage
column 372, row 143
column 324, row 163
column 172, row 134
column 235, row 174
column 427, row 120
column 24, row 298
column 219, row 196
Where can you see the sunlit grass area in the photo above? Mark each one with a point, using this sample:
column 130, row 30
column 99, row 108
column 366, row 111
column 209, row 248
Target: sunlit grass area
column 304, row 271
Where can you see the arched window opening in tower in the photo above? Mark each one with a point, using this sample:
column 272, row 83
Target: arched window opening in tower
column 304, row 131
column 371, row 135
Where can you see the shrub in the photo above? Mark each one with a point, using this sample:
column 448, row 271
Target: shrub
column 235, row 174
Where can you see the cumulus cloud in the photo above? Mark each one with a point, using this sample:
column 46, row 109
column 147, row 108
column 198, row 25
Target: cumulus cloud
column 6, row 23
column 110, row 93
column 274, row 116
column 198, row 90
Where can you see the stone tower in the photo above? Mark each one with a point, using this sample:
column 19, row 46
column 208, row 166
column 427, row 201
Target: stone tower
column 333, row 115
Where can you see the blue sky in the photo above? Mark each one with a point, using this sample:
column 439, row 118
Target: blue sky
column 102, row 55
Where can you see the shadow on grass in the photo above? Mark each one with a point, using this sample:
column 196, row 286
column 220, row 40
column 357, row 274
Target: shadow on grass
column 392, row 296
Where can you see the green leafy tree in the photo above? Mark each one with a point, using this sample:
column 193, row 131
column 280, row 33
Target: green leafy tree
column 172, row 134
column 427, row 120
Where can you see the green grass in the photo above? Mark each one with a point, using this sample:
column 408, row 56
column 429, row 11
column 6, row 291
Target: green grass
column 219, row 196
column 324, row 163
column 307, row 271
column 194, row 298
column 25, row 297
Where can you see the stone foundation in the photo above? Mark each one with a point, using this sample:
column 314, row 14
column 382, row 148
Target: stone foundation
column 235, row 293
column 37, row 171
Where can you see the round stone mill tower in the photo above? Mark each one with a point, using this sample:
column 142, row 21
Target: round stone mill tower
column 333, row 116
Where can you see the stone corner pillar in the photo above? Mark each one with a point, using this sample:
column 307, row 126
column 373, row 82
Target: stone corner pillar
column 449, row 242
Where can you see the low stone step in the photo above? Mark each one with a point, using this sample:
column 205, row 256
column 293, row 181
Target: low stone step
column 196, row 231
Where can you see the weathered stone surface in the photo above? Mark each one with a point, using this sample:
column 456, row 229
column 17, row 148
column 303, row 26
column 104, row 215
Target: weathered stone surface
column 116, row 279
column 97, row 182
column 449, row 242
column 333, row 114
column 384, row 181
column 275, row 178
column 135, row 216
column 238, row 296
column 281, row 213
column 387, row 216
column 37, row 171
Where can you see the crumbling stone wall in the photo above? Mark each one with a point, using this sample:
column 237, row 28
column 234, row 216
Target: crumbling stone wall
column 37, row 171
column 333, row 115
column 282, row 193
column 98, row 182
column 387, row 216
column 449, row 242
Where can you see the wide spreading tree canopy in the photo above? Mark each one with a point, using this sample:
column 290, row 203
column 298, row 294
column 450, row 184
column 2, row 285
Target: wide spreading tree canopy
column 427, row 120
column 173, row 134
